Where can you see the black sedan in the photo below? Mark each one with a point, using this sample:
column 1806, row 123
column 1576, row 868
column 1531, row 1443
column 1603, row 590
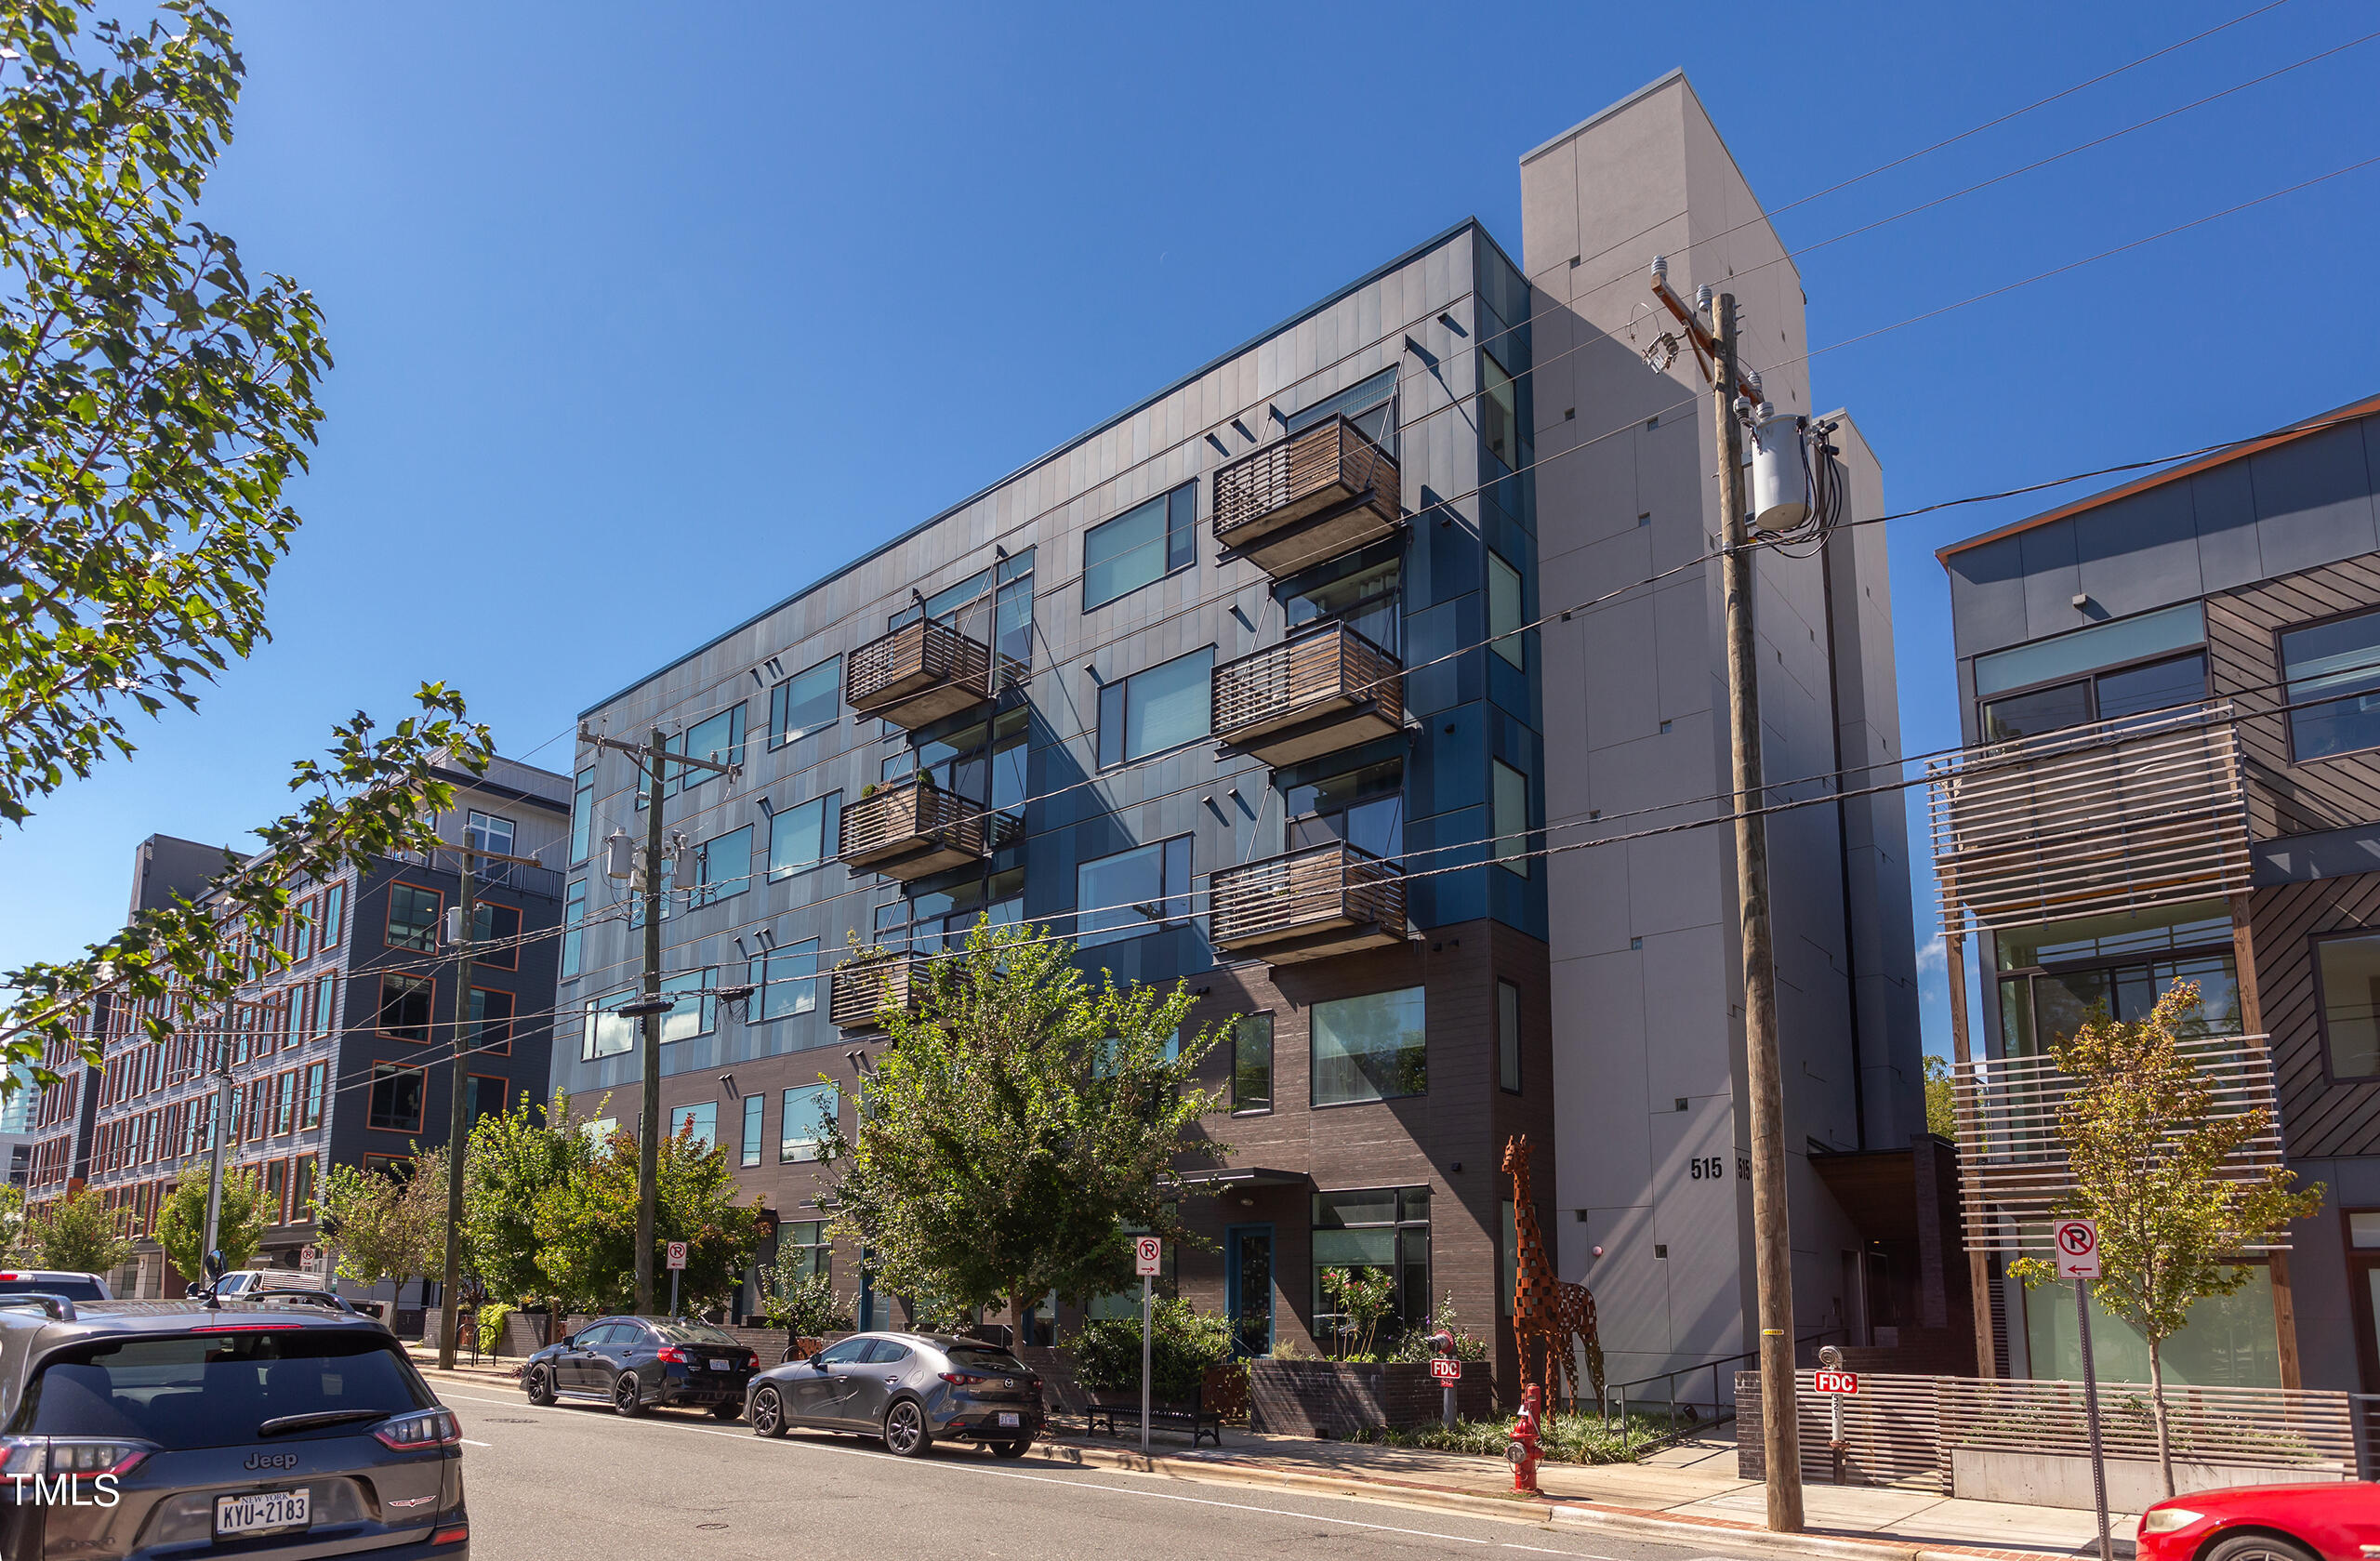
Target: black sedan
column 911, row 1389
column 635, row 1363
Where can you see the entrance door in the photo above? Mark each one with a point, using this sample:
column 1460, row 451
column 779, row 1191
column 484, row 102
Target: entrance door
column 1248, row 1287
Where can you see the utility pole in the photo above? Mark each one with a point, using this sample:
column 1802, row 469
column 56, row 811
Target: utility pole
column 654, row 760
column 221, row 1048
column 456, row 1121
column 1714, row 340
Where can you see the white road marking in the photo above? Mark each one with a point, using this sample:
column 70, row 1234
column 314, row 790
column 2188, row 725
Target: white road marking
column 1112, row 1489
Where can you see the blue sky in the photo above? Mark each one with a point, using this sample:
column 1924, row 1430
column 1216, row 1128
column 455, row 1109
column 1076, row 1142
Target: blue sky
column 604, row 281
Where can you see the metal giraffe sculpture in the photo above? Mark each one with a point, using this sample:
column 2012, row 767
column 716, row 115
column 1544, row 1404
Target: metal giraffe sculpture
column 1548, row 1312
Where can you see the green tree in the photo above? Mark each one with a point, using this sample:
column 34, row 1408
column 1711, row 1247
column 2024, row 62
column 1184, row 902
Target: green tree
column 516, row 1156
column 1361, row 1297
column 1941, row 1100
column 12, row 1223
column 390, row 1224
column 801, row 1299
column 2148, row 1161
column 586, row 1226
column 1019, row 1120
column 79, row 1234
column 239, row 1227
column 154, row 398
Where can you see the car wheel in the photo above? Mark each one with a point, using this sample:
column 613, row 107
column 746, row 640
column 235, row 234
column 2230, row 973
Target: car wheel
column 728, row 1410
column 540, row 1384
column 906, row 1432
column 768, row 1413
column 1011, row 1449
column 625, row 1398
column 2258, row 1547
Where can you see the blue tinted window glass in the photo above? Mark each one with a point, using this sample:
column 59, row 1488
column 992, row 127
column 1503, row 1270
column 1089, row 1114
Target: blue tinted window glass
column 803, row 837
column 1111, row 723
column 1168, row 704
column 1180, row 525
column 807, row 702
column 1124, row 554
column 725, row 869
column 719, row 739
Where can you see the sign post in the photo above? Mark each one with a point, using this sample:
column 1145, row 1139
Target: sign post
column 677, row 1266
column 2078, row 1259
column 1148, row 1255
column 1837, row 1384
column 1449, row 1370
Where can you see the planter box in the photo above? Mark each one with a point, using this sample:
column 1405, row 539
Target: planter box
column 1329, row 1398
column 2064, row 1480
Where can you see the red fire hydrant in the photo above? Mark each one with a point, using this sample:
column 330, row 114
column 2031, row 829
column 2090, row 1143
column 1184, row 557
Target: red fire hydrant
column 1521, row 1452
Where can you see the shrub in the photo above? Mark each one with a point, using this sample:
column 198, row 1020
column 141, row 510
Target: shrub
column 1183, row 1343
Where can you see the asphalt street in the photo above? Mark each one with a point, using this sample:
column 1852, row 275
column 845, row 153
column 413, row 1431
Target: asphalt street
column 577, row 1483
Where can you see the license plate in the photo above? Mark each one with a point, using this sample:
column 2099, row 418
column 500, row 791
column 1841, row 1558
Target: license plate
column 1007, row 1419
column 265, row 1509
column 722, row 1365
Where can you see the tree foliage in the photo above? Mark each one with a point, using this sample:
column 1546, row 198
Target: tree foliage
column 1183, row 1343
column 154, row 398
column 515, row 1160
column 585, row 1226
column 78, row 1232
column 801, row 1300
column 239, row 1225
column 1941, row 1100
column 1019, row 1120
column 2148, row 1161
column 392, row 1224
column 12, row 1223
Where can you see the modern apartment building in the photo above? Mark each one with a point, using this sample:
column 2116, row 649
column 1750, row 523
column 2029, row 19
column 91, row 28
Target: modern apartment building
column 1240, row 688
column 2173, row 690
column 340, row 1057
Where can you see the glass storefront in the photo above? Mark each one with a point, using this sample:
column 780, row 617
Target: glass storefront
column 2228, row 1342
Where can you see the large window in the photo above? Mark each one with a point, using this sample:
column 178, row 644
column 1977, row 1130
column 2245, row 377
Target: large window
column 807, row 1112
column 984, row 762
column 2121, row 643
column 804, row 835
column 490, row 1022
column 2348, row 972
column 326, row 1004
column 722, row 868
column 1499, row 416
column 1370, row 1048
column 1145, row 543
column 1163, row 708
column 2056, row 978
column 1505, row 612
column 497, row 930
column 699, row 1121
column 719, row 739
column 1251, row 1064
column 693, row 1012
column 807, row 1239
column 396, row 1098
column 1508, row 1037
column 405, row 1006
column 786, row 982
column 1369, row 404
column 413, row 918
column 748, row 1151
column 573, row 912
column 582, row 817
column 1510, row 823
column 333, row 914
column 487, row 832
column 2129, row 691
column 806, row 703
column 1120, row 896
column 1363, row 806
column 2333, row 672
column 1363, row 590
column 942, row 917
column 1383, row 1229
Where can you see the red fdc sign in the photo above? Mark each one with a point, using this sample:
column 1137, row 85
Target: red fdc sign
column 1446, row 1370
column 1837, row 1381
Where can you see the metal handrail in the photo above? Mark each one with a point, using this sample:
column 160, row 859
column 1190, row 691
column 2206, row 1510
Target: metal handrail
column 1721, row 1412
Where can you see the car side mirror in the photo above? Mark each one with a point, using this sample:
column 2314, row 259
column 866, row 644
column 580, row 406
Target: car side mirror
column 215, row 1265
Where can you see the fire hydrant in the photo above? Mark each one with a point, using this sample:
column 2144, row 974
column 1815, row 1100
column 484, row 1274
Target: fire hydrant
column 1522, row 1451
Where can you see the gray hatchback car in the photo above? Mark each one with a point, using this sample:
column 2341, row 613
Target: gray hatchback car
column 911, row 1389
column 135, row 1429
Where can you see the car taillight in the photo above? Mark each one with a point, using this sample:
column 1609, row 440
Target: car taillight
column 70, row 1455
column 1034, row 1382
column 455, row 1534
column 963, row 1379
column 671, row 1354
column 751, row 1361
column 424, row 1428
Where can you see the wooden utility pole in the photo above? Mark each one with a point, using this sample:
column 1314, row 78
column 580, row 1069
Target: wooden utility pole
column 456, row 1121
column 1772, row 1242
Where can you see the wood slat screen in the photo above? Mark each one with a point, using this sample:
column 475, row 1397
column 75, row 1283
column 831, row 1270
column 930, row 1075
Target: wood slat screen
column 1330, row 665
column 924, row 654
column 2013, row 1167
column 910, row 811
column 859, row 990
column 1319, row 886
column 1332, row 455
column 2117, row 815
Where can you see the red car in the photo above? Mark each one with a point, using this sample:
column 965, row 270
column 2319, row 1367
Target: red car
column 2336, row 1522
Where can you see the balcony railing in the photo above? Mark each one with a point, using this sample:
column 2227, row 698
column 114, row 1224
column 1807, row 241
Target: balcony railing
column 1321, row 492
column 860, row 990
column 911, row 828
column 2120, row 815
column 2013, row 1164
column 1317, row 694
column 920, row 672
column 1309, row 904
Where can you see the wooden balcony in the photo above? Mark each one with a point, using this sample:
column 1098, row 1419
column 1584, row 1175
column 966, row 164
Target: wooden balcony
column 2120, row 815
column 1309, row 904
column 1321, row 492
column 1324, row 691
column 919, row 673
column 858, row 991
column 909, row 829
column 2012, row 1165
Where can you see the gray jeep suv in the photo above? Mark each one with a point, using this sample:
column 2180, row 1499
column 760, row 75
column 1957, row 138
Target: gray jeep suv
column 166, row 1428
